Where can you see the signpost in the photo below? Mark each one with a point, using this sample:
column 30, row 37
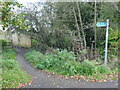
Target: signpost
column 105, row 24
column 101, row 24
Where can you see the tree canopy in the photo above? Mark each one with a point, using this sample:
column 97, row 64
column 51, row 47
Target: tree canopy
column 68, row 25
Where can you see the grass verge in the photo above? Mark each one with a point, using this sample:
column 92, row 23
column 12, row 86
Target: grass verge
column 12, row 74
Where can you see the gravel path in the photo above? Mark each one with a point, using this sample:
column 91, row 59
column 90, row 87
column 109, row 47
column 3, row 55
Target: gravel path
column 41, row 79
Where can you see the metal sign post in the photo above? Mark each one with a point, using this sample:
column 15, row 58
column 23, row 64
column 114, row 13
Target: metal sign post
column 106, row 44
column 105, row 24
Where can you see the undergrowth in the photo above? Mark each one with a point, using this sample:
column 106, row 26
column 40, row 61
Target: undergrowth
column 12, row 75
column 64, row 63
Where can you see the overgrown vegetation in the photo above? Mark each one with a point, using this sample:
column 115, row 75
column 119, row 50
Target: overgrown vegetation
column 70, row 26
column 12, row 74
column 3, row 43
column 64, row 63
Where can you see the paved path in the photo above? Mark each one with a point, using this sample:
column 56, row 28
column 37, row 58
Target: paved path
column 41, row 79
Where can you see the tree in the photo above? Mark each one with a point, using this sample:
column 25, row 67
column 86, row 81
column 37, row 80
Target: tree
column 69, row 26
column 10, row 19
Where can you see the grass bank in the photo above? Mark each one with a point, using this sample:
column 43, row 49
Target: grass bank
column 12, row 74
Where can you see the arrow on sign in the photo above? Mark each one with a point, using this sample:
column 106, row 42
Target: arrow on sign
column 101, row 24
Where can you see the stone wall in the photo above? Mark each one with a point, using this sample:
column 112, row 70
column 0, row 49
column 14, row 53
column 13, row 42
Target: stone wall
column 18, row 40
column 21, row 40
column 5, row 36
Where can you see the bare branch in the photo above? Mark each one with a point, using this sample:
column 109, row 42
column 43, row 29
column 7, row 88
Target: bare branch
column 116, row 7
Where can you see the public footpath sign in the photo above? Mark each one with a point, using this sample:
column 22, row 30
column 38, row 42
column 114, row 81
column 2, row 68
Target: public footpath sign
column 102, row 24
column 105, row 24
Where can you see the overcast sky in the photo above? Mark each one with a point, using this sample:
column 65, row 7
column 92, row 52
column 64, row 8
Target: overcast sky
column 24, row 1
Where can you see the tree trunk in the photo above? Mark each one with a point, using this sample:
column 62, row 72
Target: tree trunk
column 81, row 24
column 95, row 30
column 78, row 29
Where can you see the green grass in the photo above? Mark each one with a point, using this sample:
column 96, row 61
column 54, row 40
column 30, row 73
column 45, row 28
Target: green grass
column 12, row 74
column 0, row 78
column 9, row 54
column 12, row 78
column 64, row 63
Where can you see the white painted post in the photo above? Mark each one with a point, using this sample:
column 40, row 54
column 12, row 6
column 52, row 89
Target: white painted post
column 106, row 44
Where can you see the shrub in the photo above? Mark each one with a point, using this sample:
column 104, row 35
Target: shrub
column 49, row 61
column 102, row 69
column 40, row 66
column 33, row 57
column 34, row 42
column 70, row 67
column 3, row 42
column 10, row 64
column 63, row 62
column 65, row 55
column 87, row 68
column 8, row 54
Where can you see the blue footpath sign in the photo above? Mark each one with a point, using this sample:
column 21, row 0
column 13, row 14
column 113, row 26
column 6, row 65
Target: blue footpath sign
column 101, row 24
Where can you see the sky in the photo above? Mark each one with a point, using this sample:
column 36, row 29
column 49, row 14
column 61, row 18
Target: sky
column 24, row 1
